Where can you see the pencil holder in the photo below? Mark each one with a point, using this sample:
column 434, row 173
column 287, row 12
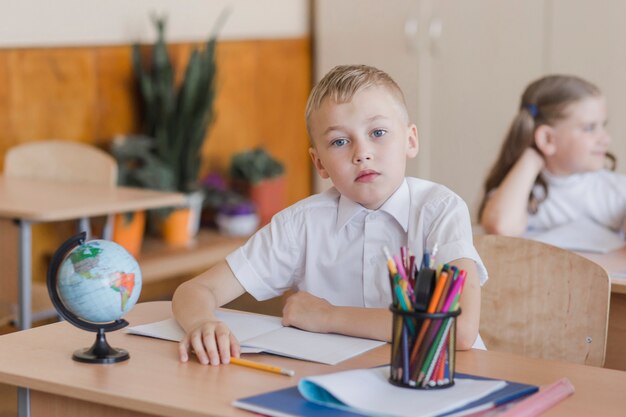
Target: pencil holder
column 423, row 349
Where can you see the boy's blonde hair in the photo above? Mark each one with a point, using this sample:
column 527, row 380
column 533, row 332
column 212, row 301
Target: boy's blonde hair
column 342, row 82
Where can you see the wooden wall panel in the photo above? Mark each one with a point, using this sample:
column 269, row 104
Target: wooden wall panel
column 6, row 132
column 116, row 111
column 87, row 94
column 52, row 94
column 263, row 92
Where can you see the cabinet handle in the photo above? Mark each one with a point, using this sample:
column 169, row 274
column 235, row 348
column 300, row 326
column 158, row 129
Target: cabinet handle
column 411, row 34
column 435, row 31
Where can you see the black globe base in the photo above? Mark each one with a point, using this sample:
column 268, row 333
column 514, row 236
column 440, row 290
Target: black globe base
column 100, row 352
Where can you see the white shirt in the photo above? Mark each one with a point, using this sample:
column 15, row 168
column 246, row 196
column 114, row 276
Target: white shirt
column 599, row 196
column 331, row 246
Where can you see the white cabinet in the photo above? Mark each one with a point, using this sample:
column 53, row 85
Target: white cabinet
column 588, row 38
column 463, row 65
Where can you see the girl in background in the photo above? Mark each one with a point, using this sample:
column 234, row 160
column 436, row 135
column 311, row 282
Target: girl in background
column 554, row 166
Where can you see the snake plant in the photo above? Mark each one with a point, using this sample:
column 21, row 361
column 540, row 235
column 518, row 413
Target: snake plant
column 177, row 117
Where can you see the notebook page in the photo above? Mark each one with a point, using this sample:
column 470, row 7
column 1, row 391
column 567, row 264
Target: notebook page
column 315, row 347
column 582, row 235
column 243, row 325
column 368, row 391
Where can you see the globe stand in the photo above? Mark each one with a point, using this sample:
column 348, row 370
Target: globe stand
column 100, row 352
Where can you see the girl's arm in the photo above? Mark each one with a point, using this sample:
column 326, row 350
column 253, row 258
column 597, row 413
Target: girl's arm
column 308, row 312
column 506, row 210
column 194, row 304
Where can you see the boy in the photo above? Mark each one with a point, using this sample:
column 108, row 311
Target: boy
column 328, row 247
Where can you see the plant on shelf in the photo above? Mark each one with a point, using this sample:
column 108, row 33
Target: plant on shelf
column 254, row 166
column 232, row 213
column 176, row 118
column 258, row 175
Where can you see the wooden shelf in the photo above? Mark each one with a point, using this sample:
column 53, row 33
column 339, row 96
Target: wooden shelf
column 159, row 261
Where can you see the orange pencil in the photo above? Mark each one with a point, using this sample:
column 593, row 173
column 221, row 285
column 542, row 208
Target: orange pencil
column 434, row 301
column 262, row 366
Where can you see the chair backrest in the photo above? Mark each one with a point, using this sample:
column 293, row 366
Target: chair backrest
column 543, row 301
column 61, row 161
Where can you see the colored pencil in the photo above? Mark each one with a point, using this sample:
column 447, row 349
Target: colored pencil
column 262, row 366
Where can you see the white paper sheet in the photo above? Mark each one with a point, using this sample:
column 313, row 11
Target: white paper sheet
column 582, row 235
column 260, row 333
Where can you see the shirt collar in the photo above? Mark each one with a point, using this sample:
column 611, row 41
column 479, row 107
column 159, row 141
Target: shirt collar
column 561, row 181
column 397, row 206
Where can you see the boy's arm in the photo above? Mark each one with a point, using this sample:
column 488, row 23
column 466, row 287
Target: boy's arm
column 194, row 304
column 506, row 210
column 308, row 312
column 468, row 322
column 311, row 313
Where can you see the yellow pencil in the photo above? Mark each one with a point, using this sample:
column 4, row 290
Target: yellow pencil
column 262, row 366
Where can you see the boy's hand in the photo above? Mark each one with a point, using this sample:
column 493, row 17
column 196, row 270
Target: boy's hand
column 211, row 341
column 307, row 312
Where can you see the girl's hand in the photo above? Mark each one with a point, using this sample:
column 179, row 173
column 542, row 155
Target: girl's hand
column 211, row 341
column 307, row 312
column 533, row 153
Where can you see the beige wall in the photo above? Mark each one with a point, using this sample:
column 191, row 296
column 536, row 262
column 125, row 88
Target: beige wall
column 27, row 23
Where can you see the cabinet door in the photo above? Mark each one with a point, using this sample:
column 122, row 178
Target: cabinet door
column 482, row 54
column 587, row 39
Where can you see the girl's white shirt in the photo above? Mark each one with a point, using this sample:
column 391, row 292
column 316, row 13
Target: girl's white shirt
column 599, row 196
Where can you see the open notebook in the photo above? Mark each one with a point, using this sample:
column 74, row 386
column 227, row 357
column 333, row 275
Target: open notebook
column 259, row 333
column 366, row 392
column 582, row 235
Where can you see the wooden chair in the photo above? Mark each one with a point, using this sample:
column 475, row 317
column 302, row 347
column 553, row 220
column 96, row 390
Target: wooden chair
column 64, row 161
column 542, row 301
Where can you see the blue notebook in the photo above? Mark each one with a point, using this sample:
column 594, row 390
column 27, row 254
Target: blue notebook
column 289, row 402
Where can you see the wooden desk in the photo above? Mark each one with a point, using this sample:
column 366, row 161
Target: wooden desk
column 153, row 382
column 615, row 262
column 33, row 201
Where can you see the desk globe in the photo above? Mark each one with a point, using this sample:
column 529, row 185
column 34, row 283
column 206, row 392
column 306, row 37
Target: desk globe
column 92, row 284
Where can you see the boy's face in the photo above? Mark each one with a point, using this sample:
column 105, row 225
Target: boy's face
column 363, row 145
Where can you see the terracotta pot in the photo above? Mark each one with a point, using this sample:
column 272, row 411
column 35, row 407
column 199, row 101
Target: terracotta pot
column 128, row 231
column 175, row 227
column 269, row 197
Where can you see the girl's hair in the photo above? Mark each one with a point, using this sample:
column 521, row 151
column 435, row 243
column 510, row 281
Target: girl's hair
column 342, row 82
column 543, row 103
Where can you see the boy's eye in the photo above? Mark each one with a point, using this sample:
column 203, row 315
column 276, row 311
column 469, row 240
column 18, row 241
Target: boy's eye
column 339, row 142
column 589, row 127
column 379, row 133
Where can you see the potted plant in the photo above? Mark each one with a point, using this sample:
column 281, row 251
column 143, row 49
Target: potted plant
column 260, row 176
column 232, row 213
column 175, row 122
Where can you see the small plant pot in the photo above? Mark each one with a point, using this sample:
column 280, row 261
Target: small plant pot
column 128, row 231
column 269, row 197
column 175, row 227
column 237, row 224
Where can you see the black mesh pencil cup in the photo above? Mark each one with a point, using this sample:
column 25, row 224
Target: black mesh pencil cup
column 423, row 349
